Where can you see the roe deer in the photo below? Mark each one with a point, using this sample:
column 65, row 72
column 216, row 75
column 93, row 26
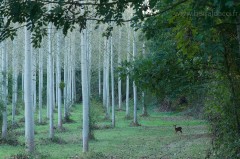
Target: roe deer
column 178, row 128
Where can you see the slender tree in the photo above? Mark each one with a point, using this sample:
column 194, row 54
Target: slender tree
column 127, row 79
column 85, row 90
column 15, row 81
column 107, row 80
column 40, row 85
column 134, row 85
column 50, row 75
column 119, row 78
column 65, row 87
column 58, row 81
column 29, row 118
column 112, row 83
column 99, row 69
column 4, row 90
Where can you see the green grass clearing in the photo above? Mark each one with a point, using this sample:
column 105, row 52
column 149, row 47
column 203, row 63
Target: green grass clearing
column 155, row 138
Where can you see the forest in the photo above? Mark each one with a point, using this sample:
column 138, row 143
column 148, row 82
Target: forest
column 120, row 79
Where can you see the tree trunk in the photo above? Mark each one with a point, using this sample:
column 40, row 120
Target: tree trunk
column 112, row 84
column 50, row 74
column 99, row 69
column 29, row 118
column 119, row 79
column 40, row 87
column 4, row 90
column 15, row 83
column 58, row 81
column 127, row 80
column 85, row 90
column 107, row 82
column 65, row 82
column 134, row 86
column 34, row 78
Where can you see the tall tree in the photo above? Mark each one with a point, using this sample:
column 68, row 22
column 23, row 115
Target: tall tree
column 29, row 118
column 40, row 84
column 4, row 90
column 127, row 79
column 85, row 90
column 135, row 122
column 15, row 81
column 99, row 69
column 50, row 75
column 58, row 81
column 144, row 108
column 119, row 78
column 112, row 82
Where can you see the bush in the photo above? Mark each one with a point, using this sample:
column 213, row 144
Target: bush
column 95, row 110
column 221, row 114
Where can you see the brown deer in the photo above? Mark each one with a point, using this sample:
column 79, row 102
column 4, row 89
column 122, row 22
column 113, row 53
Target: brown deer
column 178, row 128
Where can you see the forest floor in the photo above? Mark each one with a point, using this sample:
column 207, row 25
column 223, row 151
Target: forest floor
column 155, row 138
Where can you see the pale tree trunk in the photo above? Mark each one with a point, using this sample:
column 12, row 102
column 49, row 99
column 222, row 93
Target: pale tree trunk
column 69, row 77
column 34, row 78
column 73, row 71
column 40, row 85
column 104, row 74
column 15, row 82
column 50, row 74
column 144, row 109
column 65, row 88
column 127, row 80
column 99, row 69
column 53, row 81
column 48, row 86
column 89, row 47
column 107, row 82
column 7, row 77
column 119, row 79
column 134, row 85
column 112, row 84
column 4, row 90
column 58, row 81
column 85, row 90
column 29, row 118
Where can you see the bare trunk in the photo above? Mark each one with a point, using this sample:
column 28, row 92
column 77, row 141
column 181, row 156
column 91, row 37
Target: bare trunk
column 107, row 82
column 85, row 90
column 29, row 118
column 65, row 88
column 134, row 86
column 119, row 79
column 112, row 84
column 58, row 81
column 50, row 74
column 127, row 82
column 40, row 88
column 15, row 84
column 4, row 90
column 99, row 70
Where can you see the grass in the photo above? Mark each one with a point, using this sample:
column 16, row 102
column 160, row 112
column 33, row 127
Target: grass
column 155, row 138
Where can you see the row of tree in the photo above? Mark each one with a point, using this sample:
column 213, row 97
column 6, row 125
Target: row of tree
column 57, row 76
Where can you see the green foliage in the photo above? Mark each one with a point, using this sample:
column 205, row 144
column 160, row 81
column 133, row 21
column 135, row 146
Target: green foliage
column 62, row 85
column 95, row 112
column 223, row 122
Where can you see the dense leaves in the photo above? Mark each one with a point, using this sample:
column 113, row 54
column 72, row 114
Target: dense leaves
column 194, row 52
